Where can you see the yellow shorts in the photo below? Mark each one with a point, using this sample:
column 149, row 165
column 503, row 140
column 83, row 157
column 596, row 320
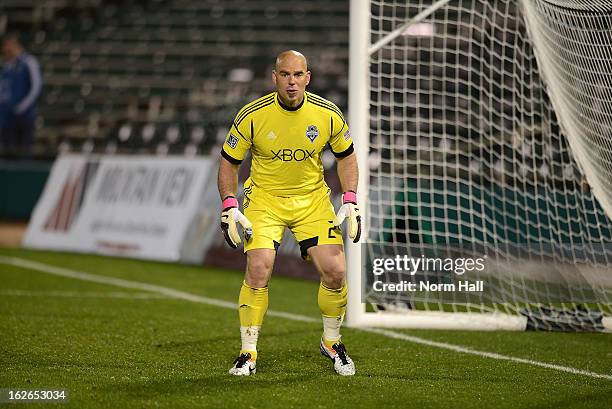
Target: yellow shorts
column 309, row 217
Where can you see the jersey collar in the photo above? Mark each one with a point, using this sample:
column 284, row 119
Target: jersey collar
column 286, row 108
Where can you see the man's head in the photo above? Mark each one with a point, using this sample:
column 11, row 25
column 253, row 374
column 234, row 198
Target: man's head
column 11, row 47
column 291, row 76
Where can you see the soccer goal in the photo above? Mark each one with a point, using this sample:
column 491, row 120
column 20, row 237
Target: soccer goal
column 483, row 130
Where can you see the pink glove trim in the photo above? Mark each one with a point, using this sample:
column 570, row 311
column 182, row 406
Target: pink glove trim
column 229, row 202
column 349, row 197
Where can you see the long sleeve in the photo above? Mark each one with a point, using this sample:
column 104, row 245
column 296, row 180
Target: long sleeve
column 35, row 85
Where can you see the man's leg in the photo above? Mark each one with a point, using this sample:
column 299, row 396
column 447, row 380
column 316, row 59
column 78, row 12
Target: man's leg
column 253, row 303
column 329, row 261
column 253, row 299
column 9, row 138
column 25, row 135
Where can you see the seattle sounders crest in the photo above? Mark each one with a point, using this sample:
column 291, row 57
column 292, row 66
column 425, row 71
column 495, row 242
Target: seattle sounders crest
column 312, row 132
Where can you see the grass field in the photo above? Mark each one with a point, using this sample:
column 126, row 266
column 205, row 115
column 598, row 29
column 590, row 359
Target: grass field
column 116, row 344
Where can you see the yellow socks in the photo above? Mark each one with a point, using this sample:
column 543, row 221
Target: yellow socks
column 253, row 304
column 332, row 303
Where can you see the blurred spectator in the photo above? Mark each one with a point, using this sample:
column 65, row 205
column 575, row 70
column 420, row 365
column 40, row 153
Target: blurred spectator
column 20, row 87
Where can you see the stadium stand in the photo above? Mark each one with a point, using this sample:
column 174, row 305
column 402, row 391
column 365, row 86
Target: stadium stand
column 166, row 76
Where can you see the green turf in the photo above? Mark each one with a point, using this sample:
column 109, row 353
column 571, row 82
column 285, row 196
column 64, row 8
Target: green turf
column 116, row 352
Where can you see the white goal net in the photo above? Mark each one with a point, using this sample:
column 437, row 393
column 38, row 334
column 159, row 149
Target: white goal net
column 490, row 140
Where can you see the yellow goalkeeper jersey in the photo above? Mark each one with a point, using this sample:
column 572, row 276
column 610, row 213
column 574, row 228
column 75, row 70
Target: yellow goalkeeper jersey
column 286, row 143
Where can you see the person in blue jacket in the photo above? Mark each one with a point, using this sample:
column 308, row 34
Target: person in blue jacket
column 20, row 87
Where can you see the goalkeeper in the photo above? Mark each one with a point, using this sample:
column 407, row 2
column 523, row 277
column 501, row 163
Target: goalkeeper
column 286, row 132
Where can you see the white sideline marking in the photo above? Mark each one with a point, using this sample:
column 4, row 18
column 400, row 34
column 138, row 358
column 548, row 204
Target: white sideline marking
column 169, row 292
column 82, row 294
column 78, row 275
column 484, row 354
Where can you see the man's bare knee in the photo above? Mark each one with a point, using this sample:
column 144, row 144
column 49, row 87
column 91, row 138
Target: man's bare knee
column 329, row 260
column 259, row 269
column 333, row 275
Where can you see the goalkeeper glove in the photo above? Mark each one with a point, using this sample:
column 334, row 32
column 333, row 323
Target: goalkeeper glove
column 229, row 217
column 349, row 209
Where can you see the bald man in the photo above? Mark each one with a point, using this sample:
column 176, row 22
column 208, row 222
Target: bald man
column 286, row 132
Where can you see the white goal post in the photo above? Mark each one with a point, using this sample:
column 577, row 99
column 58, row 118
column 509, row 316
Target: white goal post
column 483, row 128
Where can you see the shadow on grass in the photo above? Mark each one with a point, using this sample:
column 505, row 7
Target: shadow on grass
column 601, row 399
